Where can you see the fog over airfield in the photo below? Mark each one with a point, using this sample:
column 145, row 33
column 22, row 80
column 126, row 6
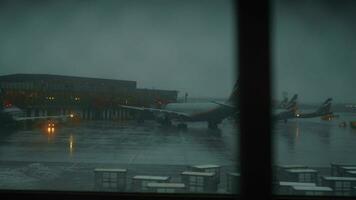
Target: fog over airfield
column 185, row 45
column 315, row 49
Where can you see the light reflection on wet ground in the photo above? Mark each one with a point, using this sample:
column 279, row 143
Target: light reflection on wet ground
column 42, row 159
column 34, row 159
column 139, row 145
column 315, row 142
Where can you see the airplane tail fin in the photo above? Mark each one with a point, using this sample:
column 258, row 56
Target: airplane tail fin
column 325, row 108
column 160, row 103
column 235, row 92
column 292, row 101
column 292, row 107
column 283, row 103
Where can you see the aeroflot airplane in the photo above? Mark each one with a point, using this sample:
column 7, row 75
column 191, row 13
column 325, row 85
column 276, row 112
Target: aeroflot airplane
column 289, row 112
column 211, row 112
column 323, row 110
column 292, row 112
column 285, row 104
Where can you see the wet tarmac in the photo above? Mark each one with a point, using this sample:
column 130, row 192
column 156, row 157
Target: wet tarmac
column 103, row 142
column 315, row 142
column 64, row 158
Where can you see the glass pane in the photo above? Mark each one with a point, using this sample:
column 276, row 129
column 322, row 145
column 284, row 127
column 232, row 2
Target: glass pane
column 314, row 100
column 118, row 95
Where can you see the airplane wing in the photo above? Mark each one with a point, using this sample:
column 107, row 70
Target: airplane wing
column 43, row 117
column 225, row 105
column 159, row 111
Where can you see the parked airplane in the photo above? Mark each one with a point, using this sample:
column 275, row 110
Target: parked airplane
column 11, row 116
column 211, row 112
column 322, row 111
column 285, row 114
column 285, row 104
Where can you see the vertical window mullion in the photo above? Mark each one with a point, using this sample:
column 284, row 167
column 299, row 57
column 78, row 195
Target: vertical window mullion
column 254, row 102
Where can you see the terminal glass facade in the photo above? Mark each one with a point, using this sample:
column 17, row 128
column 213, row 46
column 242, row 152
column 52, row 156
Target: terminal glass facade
column 86, row 87
column 314, row 134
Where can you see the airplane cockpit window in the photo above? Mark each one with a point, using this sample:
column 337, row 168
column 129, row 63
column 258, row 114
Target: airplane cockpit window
column 118, row 96
column 314, row 100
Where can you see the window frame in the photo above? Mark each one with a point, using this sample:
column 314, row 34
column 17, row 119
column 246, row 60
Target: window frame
column 255, row 100
column 245, row 9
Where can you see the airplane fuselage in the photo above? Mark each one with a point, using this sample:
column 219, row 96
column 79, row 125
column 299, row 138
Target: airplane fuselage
column 312, row 115
column 282, row 114
column 207, row 111
column 191, row 108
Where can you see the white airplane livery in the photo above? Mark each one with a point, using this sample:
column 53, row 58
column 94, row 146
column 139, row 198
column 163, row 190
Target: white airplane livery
column 211, row 112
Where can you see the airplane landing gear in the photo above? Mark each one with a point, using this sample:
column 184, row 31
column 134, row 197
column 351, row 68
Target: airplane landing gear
column 182, row 127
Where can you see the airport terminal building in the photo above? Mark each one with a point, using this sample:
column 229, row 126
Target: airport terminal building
column 90, row 98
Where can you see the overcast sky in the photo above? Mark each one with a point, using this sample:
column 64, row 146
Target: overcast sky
column 185, row 45
column 315, row 49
